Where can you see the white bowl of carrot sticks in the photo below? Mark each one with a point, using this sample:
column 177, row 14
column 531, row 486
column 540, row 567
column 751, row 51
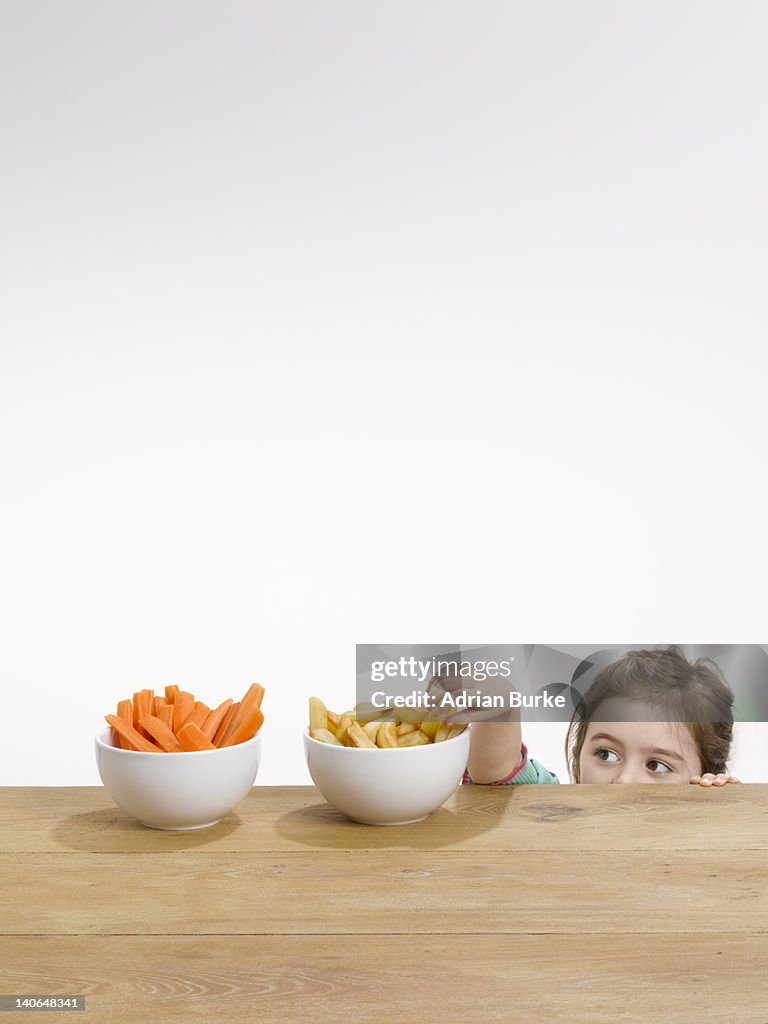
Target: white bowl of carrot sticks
column 174, row 763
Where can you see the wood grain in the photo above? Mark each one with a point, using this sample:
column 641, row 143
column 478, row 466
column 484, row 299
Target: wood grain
column 514, row 818
column 653, row 979
column 584, row 904
column 375, row 892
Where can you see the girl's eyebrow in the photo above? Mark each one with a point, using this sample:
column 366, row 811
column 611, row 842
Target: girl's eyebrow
column 669, row 754
column 605, row 736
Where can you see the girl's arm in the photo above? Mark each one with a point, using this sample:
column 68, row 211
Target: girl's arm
column 495, row 750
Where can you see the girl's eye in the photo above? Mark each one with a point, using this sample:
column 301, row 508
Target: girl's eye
column 658, row 767
column 603, row 754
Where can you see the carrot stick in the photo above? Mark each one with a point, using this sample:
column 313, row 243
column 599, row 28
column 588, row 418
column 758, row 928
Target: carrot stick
column 142, row 705
column 215, row 718
column 157, row 702
column 199, row 714
column 165, row 714
column 192, row 737
column 253, row 696
column 124, row 711
column 246, row 729
column 226, row 726
column 183, row 707
column 134, row 738
column 252, row 699
column 161, row 734
column 137, row 701
column 170, row 692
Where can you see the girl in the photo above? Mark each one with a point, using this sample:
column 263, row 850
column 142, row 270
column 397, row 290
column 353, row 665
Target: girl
column 651, row 716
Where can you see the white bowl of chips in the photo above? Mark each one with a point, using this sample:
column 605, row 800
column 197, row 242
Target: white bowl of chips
column 387, row 785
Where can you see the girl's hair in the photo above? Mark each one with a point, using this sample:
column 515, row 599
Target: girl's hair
column 695, row 694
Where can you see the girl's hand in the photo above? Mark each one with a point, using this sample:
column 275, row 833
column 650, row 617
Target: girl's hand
column 713, row 780
column 440, row 685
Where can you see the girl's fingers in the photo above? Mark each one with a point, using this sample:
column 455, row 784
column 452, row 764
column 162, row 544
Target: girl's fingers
column 443, row 684
column 450, row 684
column 709, row 779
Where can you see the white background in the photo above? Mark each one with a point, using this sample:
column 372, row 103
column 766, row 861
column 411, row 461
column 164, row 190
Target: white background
column 355, row 322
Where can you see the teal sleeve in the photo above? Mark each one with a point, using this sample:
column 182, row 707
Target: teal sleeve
column 533, row 772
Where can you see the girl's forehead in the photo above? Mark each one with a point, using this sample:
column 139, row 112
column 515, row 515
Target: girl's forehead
column 645, row 733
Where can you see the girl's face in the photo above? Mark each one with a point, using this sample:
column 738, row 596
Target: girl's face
column 638, row 751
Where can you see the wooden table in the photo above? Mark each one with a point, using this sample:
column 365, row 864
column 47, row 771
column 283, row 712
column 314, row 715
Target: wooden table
column 513, row 904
